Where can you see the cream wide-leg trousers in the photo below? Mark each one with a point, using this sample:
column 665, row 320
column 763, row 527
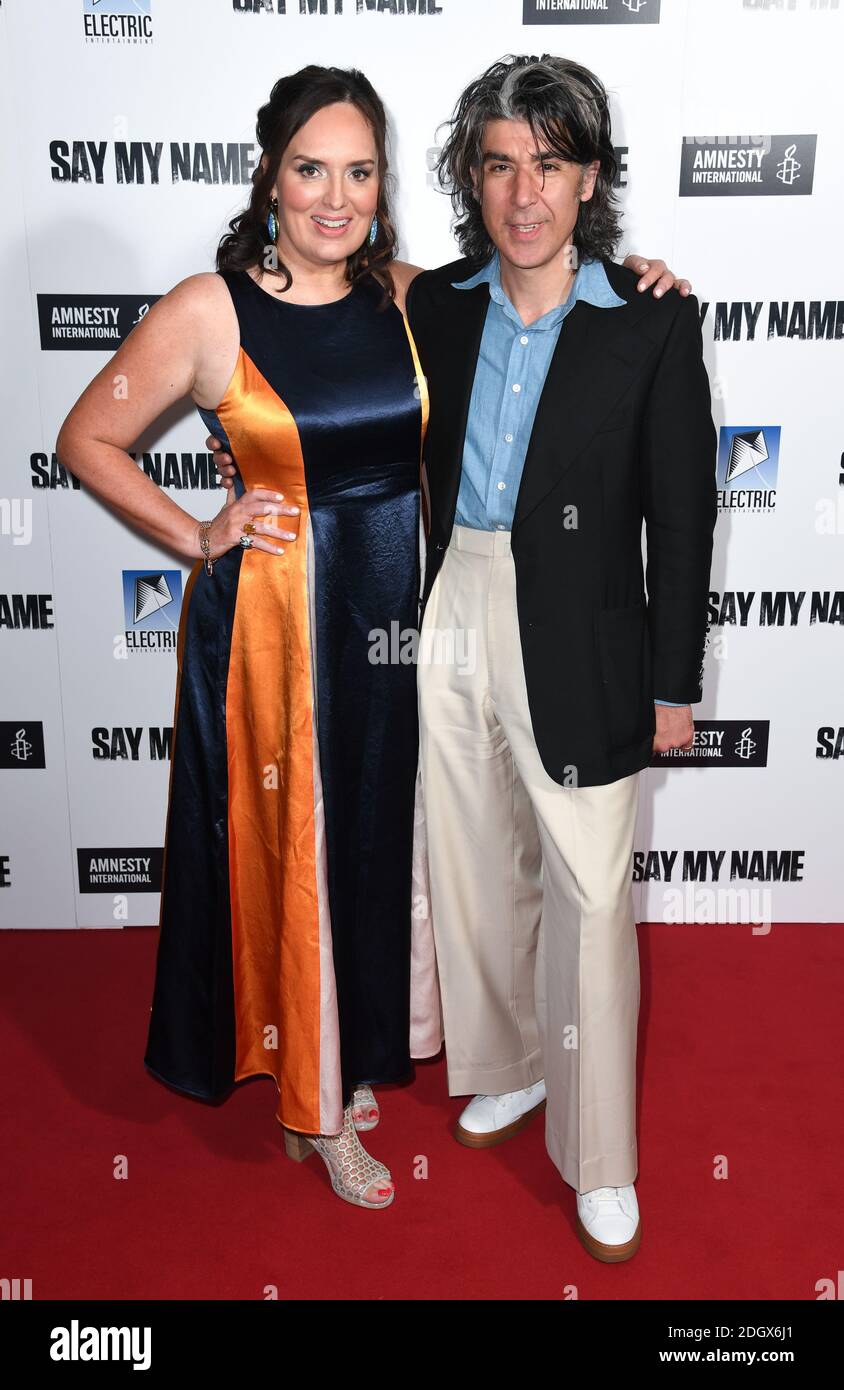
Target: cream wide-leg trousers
column 531, row 893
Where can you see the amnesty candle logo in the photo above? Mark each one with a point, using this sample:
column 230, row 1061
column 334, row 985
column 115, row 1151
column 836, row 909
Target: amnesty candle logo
column 713, row 165
column 590, row 11
column 117, row 21
column 94, row 321
column 21, row 743
column 152, row 603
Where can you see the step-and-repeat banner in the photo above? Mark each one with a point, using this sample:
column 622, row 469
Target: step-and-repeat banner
column 128, row 143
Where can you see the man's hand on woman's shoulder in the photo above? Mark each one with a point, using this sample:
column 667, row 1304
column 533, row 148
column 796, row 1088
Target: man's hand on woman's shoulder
column 655, row 274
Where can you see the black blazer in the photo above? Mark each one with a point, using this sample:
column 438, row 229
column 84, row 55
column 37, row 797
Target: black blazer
column 623, row 433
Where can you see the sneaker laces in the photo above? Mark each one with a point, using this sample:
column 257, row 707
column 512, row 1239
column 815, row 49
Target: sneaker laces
column 604, row 1194
column 502, row 1100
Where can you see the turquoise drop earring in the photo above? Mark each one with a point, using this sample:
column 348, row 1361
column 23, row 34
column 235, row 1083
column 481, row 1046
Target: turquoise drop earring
column 272, row 220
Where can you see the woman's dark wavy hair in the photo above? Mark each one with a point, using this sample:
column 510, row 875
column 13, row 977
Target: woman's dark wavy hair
column 567, row 109
column 293, row 100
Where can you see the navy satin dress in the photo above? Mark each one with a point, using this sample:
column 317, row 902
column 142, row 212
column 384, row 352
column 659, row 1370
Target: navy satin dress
column 291, row 854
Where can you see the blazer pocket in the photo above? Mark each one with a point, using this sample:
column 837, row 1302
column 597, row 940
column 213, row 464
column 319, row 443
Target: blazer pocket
column 624, row 652
column 614, row 429
column 619, row 419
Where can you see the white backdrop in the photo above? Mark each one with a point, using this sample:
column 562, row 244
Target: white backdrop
column 104, row 88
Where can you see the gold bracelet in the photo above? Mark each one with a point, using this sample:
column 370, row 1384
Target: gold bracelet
column 205, row 545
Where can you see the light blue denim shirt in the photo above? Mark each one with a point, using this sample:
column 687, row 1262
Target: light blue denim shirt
column 512, row 366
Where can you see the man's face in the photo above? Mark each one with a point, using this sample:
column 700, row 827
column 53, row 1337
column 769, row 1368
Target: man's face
column 529, row 196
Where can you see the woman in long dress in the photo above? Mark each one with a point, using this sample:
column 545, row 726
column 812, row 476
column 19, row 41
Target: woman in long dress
column 294, row 934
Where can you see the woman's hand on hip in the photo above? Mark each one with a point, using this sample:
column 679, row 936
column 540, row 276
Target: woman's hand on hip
column 254, row 509
column 225, row 465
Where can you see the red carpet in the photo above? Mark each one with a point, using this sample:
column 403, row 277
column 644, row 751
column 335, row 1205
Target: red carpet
column 740, row 1055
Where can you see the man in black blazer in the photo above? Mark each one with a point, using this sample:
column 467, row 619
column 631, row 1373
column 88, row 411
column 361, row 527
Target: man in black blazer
column 565, row 410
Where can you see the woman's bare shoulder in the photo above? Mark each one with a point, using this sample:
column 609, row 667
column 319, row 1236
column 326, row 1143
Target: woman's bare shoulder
column 403, row 273
column 192, row 330
column 203, row 293
column 198, row 312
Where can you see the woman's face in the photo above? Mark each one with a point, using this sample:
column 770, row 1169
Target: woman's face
column 327, row 186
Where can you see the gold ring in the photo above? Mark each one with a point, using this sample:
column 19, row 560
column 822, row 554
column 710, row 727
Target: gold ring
column 249, row 529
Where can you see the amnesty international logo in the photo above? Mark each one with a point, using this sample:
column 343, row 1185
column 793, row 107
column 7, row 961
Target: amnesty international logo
column 129, row 869
column 742, row 165
column 721, row 743
column 590, row 11
column 93, row 322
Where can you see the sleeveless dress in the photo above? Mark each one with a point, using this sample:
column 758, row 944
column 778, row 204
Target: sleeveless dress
column 295, row 934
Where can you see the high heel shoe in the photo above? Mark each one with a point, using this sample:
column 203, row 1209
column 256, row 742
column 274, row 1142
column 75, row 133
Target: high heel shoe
column 352, row 1170
column 365, row 1112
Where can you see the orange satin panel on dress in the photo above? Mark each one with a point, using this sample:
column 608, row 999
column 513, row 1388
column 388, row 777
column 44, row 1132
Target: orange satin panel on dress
column 274, row 908
column 422, row 384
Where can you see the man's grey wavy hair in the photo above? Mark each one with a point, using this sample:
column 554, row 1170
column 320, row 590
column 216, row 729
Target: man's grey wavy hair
column 567, row 109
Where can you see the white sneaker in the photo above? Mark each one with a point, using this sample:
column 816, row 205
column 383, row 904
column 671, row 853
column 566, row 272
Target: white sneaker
column 490, row 1119
column 608, row 1222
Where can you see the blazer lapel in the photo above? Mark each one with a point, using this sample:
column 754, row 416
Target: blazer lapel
column 452, row 378
column 598, row 353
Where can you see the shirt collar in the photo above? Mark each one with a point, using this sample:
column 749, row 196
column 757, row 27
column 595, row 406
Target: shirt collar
column 590, row 283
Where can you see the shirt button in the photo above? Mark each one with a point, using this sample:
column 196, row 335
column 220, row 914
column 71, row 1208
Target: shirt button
column 524, row 340
column 499, row 526
column 508, row 439
column 501, row 486
column 516, row 387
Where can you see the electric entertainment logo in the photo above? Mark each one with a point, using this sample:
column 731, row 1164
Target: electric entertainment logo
column 748, row 463
column 152, row 603
column 117, row 21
